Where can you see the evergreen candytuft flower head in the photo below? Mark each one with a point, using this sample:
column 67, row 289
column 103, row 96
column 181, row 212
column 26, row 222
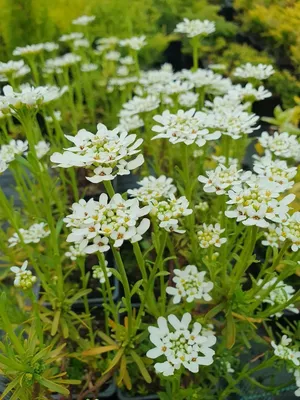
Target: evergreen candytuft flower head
column 99, row 273
column 134, row 43
column 282, row 350
column 259, row 72
column 34, row 234
column 153, row 189
column 106, row 154
column 96, row 224
column 84, row 20
column 281, row 144
column 180, row 345
column 210, row 235
column 195, row 27
column 190, row 285
column 24, row 278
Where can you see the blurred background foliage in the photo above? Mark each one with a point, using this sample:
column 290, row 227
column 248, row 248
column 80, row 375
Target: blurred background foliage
column 259, row 31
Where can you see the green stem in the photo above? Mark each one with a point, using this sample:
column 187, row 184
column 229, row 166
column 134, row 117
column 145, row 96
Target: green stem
column 195, row 46
column 36, row 313
column 126, row 286
column 84, row 280
column 150, row 283
column 109, row 188
column 140, row 260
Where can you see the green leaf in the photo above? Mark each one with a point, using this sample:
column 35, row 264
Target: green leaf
column 115, row 360
column 139, row 362
column 230, row 330
column 162, row 273
column 55, row 322
column 136, row 287
column 52, row 386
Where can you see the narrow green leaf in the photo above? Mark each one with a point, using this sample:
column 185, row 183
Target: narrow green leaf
column 139, row 362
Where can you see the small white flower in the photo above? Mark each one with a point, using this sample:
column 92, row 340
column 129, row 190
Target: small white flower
column 202, row 206
column 94, row 223
column 210, row 235
column 195, row 27
column 24, row 278
column 169, row 211
column 130, row 123
column 78, row 43
column 139, row 105
column 112, row 55
column 153, row 189
column 190, row 285
column 259, row 72
column 9, row 151
column 98, row 272
column 188, row 99
column 286, row 353
column 221, row 179
column 13, row 69
column 74, row 252
column 134, row 43
column 186, row 126
column 57, row 117
column 180, row 345
column 106, row 153
column 89, row 67
column 42, row 148
column 128, row 60
column 249, row 93
column 84, row 20
column 281, row 144
column 32, row 235
column 71, row 36
column 290, row 229
column 280, row 294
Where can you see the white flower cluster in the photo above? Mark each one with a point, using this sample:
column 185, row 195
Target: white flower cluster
column 281, row 144
column 134, row 43
column 272, row 237
column 106, row 153
column 98, row 272
column 84, row 20
column 13, row 69
column 249, row 93
column 71, row 36
column 275, row 171
column 130, row 123
column 183, row 127
column 31, row 97
column 102, row 221
column 169, row 211
column 181, row 346
column 75, row 252
column 206, row 79
column 139, row 105
column 221, row 179
column 153, row 189
column 9, row 151
column 88, row 67
column 290, row 229
column 195, row 27
column 32, row 49
column 255, row 202
column 280, row 294
column 210, row 235
column 24, row 278
column 229, row 117
column 42, row 148
column 202, row 206
column 283, row 351
column 190, row 285
column 59, row 63
column 32, row 235
column 188, row 99
column 259, row 72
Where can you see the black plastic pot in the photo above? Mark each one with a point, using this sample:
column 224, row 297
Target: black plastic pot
column 124, row 396
column 106, row 394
